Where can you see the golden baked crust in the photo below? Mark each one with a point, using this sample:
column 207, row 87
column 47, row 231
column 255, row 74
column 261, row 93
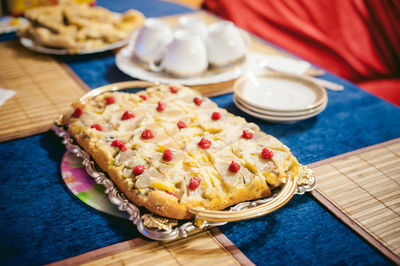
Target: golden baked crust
column 233, row 168
column 78, row 27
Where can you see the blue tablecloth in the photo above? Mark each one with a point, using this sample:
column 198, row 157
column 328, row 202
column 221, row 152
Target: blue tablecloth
column 42, row 222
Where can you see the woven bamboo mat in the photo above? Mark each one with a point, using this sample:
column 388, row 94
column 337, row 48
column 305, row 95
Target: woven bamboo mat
column 45, row 88
column 207, row 247
column 363, row 189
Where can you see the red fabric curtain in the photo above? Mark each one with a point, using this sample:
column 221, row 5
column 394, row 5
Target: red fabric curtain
column 355, row 39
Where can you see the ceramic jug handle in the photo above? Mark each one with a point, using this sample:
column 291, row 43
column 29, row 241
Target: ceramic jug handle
column 157, row 51
column 154, row 67
column 246, row 37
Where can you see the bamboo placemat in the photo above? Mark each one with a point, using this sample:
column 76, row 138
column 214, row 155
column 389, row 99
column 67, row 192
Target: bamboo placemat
column 208, row 247
column 362, row 188
column 45, row 88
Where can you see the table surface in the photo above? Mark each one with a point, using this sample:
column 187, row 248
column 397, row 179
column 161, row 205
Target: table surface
column 41, row 222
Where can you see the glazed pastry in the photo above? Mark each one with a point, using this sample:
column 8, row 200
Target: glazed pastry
column 169, row 149
column 78, row 27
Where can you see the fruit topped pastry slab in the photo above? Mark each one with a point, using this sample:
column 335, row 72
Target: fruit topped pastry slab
column 169, row 149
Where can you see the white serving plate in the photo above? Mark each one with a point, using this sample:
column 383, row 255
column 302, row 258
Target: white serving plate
column 28, row 43
column 279, row 119
column 125, row 62
column 279, row 92
column 276, row 113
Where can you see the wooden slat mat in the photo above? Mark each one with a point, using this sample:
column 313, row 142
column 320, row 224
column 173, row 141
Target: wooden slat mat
column 45, row 88
column 363, row 189
column 208, row 247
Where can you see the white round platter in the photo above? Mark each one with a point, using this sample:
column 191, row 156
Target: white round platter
column 125, row 62
column 278, row 113
column 278, row 119
column 279, row 92
column 28, row 43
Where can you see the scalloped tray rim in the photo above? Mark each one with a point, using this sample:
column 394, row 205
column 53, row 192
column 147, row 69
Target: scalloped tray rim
column 118, row 198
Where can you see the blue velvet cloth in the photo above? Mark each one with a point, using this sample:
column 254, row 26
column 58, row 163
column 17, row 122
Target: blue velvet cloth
column 42, row 222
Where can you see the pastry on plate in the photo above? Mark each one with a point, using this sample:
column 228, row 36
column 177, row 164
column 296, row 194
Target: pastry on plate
column 78, row 27
column 169, row 149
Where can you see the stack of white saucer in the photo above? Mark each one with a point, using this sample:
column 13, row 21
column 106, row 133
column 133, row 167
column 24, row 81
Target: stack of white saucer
column 278, row 97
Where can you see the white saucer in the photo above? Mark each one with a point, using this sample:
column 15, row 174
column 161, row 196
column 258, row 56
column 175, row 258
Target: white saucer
column 127, row 64
column 28, row 43
column 276, row 113
column 276, row 118
column 279, row 92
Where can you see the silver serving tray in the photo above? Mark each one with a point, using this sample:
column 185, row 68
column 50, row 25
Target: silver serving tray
column 158, row 228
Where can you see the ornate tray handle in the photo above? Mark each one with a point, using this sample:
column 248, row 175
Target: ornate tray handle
column 165, row 229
